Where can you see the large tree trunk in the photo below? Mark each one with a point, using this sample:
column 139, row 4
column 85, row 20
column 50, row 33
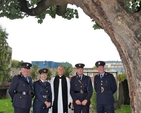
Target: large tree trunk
column 124, row 29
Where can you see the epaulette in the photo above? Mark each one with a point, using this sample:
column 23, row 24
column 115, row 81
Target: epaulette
column 76, row 76
column 107, row 73
column 17, row 74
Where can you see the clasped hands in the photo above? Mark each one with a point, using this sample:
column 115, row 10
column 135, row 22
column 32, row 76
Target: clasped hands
column 48, row 104
column 84, row 102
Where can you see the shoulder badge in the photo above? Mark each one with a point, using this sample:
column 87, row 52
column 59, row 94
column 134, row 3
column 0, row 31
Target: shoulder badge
column 17, row 74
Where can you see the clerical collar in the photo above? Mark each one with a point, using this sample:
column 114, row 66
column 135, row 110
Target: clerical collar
column 60, row 75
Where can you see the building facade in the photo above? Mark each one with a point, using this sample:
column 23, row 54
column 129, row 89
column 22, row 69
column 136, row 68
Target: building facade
column 49, row 64
column 115, row 66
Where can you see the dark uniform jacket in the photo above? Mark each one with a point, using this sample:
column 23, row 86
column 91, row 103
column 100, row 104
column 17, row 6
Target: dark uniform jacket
column 81, row 90
column 42, row 93
column 105, row 87
column 21, row 91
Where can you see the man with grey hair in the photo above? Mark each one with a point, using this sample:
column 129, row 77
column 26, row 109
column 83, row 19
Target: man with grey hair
column 60, row 86
column 21, row 90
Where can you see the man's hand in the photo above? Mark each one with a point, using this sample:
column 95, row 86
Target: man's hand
column 78, row 102
column 48, row 104
column 70, row 105
column 84, row 102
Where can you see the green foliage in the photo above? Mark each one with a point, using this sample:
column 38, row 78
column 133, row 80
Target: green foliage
column 68, row 70
column 93, row 100
column 16, row 64
column 124, row 109
column 51, row 11
column 134, row 5
column 33, row 2
column 96, row 26
column 71, row 13
column 49, row 74
column 121, row 77
column 5, row 57
column 95, row 67
column 10, row 9
column 6, row 106
column 34, row 72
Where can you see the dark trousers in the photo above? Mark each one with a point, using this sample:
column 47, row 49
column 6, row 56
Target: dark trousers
column 81, row 109
column 40, row 110
column 105, row 108
column 21, row 110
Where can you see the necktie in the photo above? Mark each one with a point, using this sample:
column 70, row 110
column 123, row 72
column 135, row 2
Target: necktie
column 27, row 79
column 101, row 76
column 80, row 77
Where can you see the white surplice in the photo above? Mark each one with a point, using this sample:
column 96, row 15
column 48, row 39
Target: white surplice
column 60, row 99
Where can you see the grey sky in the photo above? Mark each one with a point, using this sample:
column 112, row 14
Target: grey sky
column 59, row 40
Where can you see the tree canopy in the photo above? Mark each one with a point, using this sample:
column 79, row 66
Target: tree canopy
column 16, row 64
column 18, row 9
column 5, row 57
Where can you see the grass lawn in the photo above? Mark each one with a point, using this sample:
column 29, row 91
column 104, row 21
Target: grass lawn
column 6, row 106
column 124, row 109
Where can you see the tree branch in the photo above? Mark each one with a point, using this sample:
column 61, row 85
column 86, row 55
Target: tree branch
column 61, row 9
column 41, row 7
column 24, row 7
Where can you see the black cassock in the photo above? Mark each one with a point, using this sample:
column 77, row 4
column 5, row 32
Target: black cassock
column 60, row 86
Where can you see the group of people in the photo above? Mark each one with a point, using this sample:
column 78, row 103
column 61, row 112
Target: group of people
column 55, row 96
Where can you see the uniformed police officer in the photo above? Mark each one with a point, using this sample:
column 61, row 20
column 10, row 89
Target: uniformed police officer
column 21, row 90
column 105, row 86
column 43, row 94
column 81, row 90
